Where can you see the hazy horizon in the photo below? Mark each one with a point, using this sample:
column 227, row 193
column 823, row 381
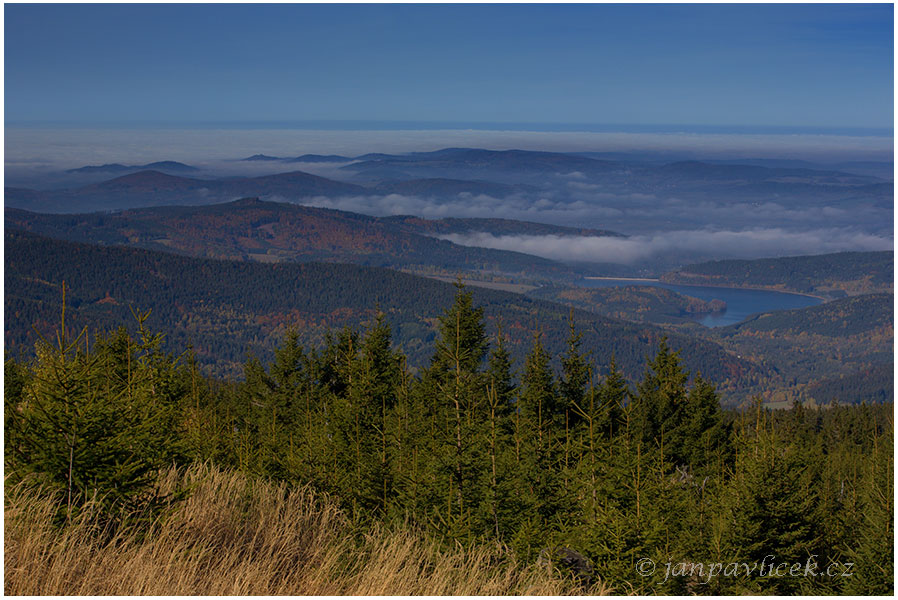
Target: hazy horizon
column 74, row 147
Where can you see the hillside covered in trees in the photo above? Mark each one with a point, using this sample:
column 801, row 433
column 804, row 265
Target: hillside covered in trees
column 226, row 310
column 611, row 485
column 632, row 303
column 849, row 340
column 251, row 229
column 826, row 275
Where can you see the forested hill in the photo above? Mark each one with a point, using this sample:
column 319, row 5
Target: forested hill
column 632, row 303
column 847, row 342
column 154, row 188
column 272, row 232
column 227, row 309
column 828, row 275
column 847, row 316
column 494, row 226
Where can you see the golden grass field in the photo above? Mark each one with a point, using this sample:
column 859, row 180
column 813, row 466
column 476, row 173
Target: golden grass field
column 235, row 535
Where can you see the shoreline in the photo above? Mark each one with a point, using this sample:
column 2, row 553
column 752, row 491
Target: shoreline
column 758, row 289
column 724, row 287
column 623, row 278
column 514, row 288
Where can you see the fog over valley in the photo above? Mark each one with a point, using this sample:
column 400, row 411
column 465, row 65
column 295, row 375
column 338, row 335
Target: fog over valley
column 667, row 248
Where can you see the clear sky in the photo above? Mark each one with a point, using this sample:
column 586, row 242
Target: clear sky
column 828, row 66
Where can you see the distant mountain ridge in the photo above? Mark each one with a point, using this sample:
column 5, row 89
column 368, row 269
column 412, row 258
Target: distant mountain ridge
column 466, row 163
column 666, row 178
column 165, row 165
column 305, row 158
column 450, row 173
column 154, row 188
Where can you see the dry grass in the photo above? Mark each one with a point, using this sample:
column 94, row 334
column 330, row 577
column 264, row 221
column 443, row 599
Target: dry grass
column 239, row 536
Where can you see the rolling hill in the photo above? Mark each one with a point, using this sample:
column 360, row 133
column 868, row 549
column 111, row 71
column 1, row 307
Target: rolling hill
column 168, row 166
column 633, row 303
column 154, row 188
column 452, row 225
column 806, row 347
column 827, row 275
column 305, row 158
column 457, row 172
column 474, row 163
column 251, row 229
column 748, row 182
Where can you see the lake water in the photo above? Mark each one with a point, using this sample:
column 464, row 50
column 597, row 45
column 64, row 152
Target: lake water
column 740, row 303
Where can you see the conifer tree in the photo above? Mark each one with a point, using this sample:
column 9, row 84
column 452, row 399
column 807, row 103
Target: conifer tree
column 500, row 376
column 658, row 407
column 771, row 509
column 574, row 376
column 14, row 382
column 88, row 432
column 376, row 397
column 336, row 358
column 873, row 554
column 613, row 396
column 208, row 432
column 702, row 439
column 501, row 507
column 543, row 439
column 278, row 403
column 600, row 412
column 452, row 397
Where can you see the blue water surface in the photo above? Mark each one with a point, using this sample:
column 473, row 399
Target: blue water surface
column 741, row 303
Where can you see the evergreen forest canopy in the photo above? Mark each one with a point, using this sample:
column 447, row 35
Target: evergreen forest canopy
column 566, row 460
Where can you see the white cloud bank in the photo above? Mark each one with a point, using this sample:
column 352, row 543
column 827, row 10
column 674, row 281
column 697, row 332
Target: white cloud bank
column 751, row 243
column 523, row 208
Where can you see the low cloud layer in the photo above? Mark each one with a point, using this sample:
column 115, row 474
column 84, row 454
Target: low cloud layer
column 752, row 243
column 632, row 213
column 522, row 208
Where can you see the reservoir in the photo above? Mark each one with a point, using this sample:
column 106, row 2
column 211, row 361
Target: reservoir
column 741, row 303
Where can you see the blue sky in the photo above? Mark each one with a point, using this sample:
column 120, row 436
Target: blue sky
column 779, row 66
